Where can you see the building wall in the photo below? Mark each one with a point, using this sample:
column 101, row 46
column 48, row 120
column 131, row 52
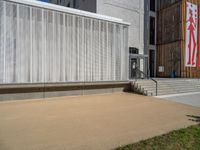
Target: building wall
column 67, row 3
column 162, row 4
column 87, row 5
column 130, row 11
column 171, row 39
column 42, row 45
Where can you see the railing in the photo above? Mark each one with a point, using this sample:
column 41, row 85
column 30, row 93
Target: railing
column 148, row 77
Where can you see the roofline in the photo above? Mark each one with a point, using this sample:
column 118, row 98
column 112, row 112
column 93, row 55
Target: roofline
column 68, row 10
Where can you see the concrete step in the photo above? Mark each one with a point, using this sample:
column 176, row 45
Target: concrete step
column 165, row 87
column 163, row 92
column 183, row 82
column 171, row 86
column 172, row 83
column 168, row 80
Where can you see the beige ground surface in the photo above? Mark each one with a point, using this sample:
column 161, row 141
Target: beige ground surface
column 95, row 122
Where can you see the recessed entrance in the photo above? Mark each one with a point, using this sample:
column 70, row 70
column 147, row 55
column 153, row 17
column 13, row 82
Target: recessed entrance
column 135, row 63
column 152, row 63
column 137, row 66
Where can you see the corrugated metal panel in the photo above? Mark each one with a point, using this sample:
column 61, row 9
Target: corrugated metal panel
column 40, row 45
column 2, row 32
column 68, row 10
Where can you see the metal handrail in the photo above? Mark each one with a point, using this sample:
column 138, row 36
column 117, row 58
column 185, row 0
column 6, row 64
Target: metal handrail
column 148, row 77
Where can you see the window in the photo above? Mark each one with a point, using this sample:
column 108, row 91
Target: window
column 152, row 31
column 133, row 50
column 68, row 5
column 152, row 5
column 74, row 3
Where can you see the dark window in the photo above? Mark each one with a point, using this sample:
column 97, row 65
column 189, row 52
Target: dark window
column 152, row 62
column 152, row 31
column 152, row 5
column 68, row 5
column 133, row 50
column 74, row 3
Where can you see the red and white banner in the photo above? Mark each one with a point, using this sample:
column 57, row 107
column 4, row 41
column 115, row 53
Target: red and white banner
column 199, row 39
column 191, row 35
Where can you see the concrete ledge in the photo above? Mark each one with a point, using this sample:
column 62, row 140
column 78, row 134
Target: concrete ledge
column 41, row 90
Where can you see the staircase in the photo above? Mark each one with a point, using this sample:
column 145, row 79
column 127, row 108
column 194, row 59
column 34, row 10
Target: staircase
column 165, row 86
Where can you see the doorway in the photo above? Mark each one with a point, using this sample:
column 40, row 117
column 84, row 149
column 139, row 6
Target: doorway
column 138, row 66
column 152, row 63
column 134, row 65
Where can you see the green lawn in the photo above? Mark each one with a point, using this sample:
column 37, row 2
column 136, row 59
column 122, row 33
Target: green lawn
column 183, row 139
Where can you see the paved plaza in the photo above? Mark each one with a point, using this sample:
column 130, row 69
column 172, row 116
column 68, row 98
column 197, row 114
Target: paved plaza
column 192, row 99
column 93, row 122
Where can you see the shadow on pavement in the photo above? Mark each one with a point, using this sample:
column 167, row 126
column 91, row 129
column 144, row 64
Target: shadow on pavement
column 194, row 118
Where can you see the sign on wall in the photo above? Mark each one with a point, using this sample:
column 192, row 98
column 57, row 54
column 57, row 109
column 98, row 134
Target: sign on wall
column 161, row 69
column 191, row 35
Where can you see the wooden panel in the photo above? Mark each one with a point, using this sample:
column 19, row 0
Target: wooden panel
column 166, row 3
column 169, row 24
column 171, row 39
column 169, row 57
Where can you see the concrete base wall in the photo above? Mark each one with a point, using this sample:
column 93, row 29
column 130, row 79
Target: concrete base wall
column 37, row 91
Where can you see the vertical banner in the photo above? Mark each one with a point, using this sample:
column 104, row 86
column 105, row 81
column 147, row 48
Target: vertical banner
column 191, row 35
column 199, row 39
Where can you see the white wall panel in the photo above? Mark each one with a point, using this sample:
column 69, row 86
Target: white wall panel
column 40, row 45
column 2, row 16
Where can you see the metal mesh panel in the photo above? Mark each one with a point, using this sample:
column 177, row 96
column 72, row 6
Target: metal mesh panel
column 23, row 31
column 2, row 30
column 11, row 57
column 49, row 49
column 39, row 45
column 95, row 48
column 125, row 61
column 37, row 42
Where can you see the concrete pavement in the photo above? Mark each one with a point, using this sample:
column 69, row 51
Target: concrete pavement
column 192, row 99
column 93, row 122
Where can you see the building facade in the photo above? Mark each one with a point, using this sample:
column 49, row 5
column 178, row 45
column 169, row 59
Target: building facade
column 157, row 32
column 173, row 44
column 150, row 29
column 42, row 43
column 86, row 5
column 133, row 12
column 130, row 11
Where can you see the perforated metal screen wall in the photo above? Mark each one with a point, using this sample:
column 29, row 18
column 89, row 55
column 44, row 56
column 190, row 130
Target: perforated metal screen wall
column 39, row 45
